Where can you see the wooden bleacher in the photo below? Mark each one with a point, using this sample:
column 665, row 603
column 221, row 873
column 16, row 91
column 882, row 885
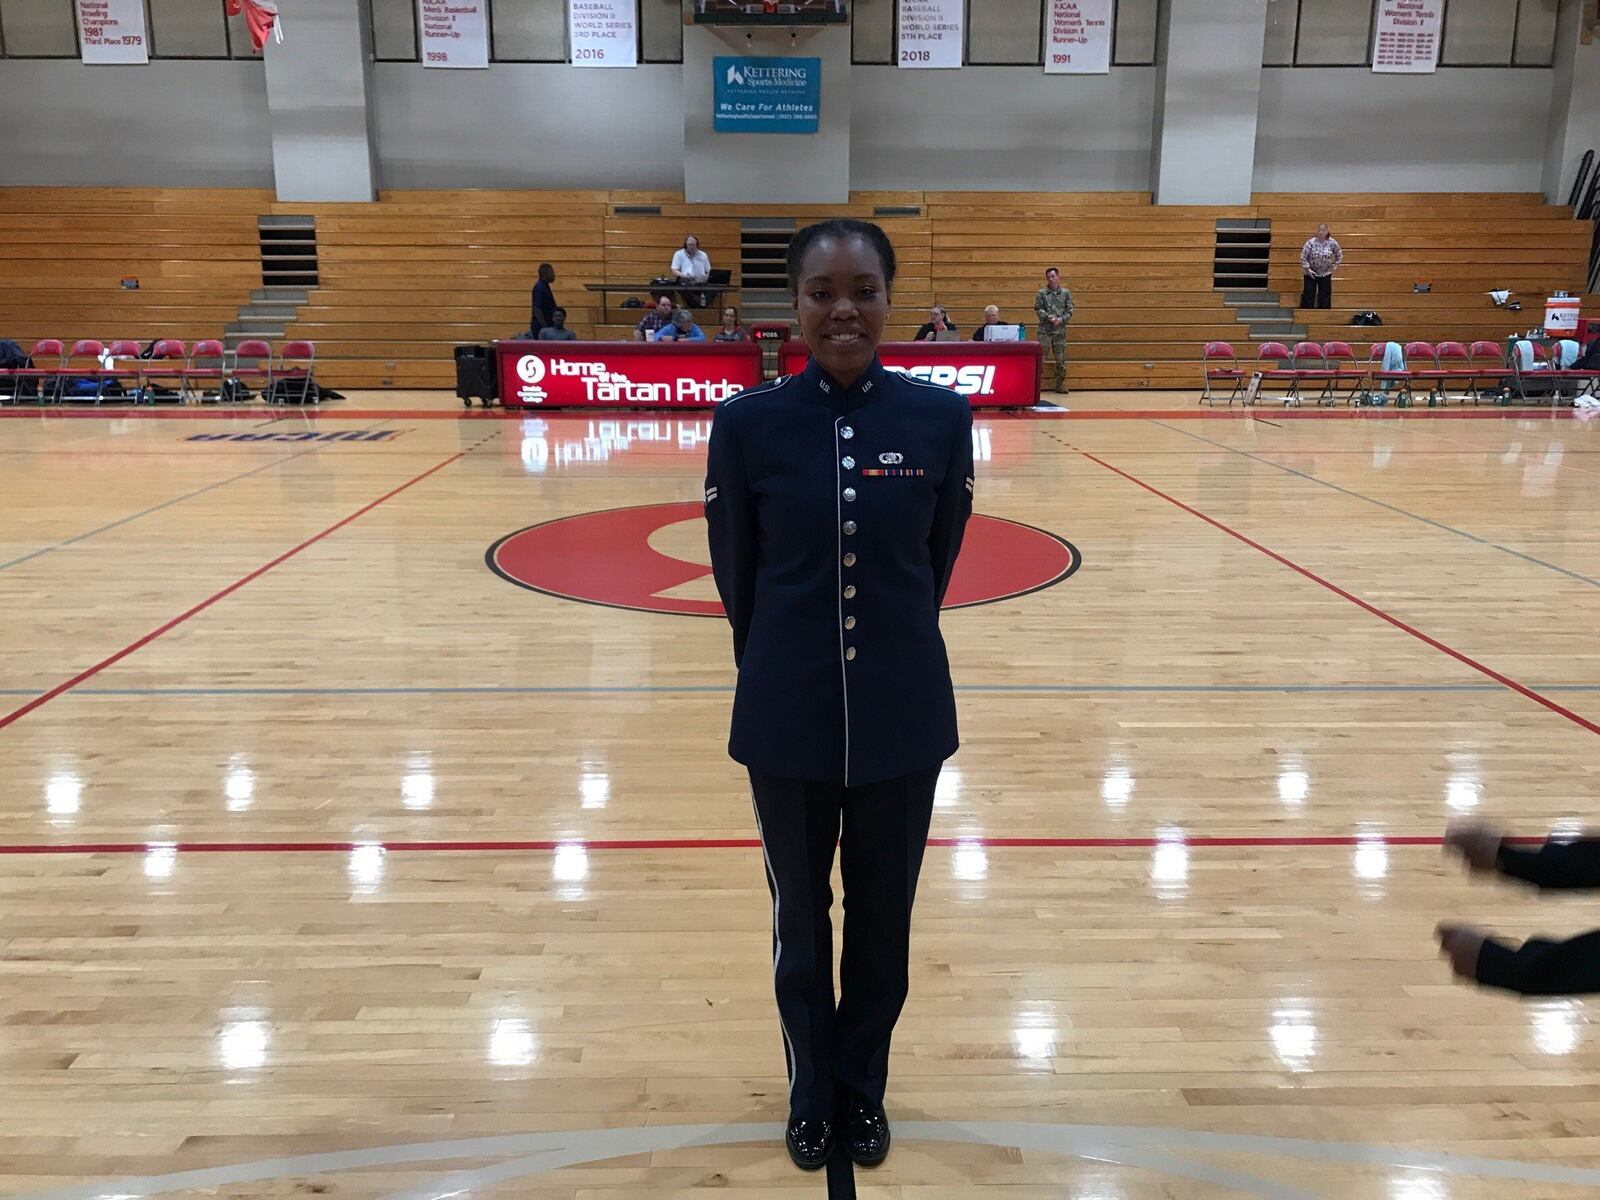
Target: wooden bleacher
column 407, row 278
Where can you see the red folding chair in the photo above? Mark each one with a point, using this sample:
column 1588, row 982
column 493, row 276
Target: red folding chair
column 1270, row 360
column 1346, row 369
column 128, row 350
column 1489, row 369
column 1429, row 371
column 198, row 368
column 1401, row 378
column 1455, row 363
column 1221, row 366
column 75, row 365
column 36, row 375
column 252, row 360
column 293, row 377
column 1311, row 366
column 166, row 351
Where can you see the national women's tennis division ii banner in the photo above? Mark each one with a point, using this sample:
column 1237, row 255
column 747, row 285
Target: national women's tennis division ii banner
column 603, row 33
column 112, row 31
column 1078, row 37
column 766, row 95
column 1407, row 39
column 932, row 33
column 453, row 32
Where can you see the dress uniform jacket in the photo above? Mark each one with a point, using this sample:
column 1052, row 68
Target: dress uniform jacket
column 835, row 518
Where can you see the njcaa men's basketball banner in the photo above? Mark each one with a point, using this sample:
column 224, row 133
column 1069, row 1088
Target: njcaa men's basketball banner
column 932, row 33
column 603, row 33
column 1078, row 37
column 112, row 31
column 766, row 95
column 1407, row 41
column 454, row 33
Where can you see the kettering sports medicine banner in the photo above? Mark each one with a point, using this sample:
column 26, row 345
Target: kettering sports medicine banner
column 603, row 33
column 1079, row 37
column 766, row 95
column 112, row 31
column 1408, row 37
column 931, row 33
column 454, row 33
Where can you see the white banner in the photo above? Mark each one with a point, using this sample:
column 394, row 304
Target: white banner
column 1078, row 38
column 931, row 33
column 604, row 33
column 112, row 31
column 1408, row 37
column 454, row 33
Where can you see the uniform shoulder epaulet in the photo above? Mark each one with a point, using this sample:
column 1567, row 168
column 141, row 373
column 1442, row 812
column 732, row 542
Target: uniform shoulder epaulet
column 759, row 389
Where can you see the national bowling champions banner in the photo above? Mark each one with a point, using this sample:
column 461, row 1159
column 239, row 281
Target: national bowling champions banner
column 1407, row 41
column 454, row 33
column 603, row 33
column 766, row 95
column 112, row 31
column 1078, row 37
column 932, row 33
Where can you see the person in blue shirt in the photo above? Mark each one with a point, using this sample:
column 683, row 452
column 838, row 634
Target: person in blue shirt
column 682, row 329
column 836, row 501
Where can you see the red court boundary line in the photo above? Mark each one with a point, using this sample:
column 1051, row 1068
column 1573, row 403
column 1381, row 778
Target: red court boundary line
column 743, row 843
column 89, row 672
column 1465, row 659
column 643, row 414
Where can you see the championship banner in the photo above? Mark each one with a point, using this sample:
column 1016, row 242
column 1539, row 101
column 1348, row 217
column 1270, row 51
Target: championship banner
column 603, row 33
column 454, row 33
column 932, row 33
column 112, row 31
column 988, row 374
column 766, row 95
column 625, row 374
column 1407, row 41
column 1078, row 37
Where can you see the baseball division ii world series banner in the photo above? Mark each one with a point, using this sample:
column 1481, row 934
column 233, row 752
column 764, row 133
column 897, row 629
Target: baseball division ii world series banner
column 603, row 33
column 112, row 31
column 1407, row 40
column 625, row 374
column 766, row 95
column 932, row 33
column 1078, row 37
column 454, row 33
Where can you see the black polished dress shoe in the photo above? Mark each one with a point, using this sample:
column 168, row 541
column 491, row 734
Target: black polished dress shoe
column 810, row 1142
column 866, row 1134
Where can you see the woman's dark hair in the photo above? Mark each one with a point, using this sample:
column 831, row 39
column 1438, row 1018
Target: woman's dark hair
column 546, row 272
column 839, row 227
column 558, row 309
column 734, row 309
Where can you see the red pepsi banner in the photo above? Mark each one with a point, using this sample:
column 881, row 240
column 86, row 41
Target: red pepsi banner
column 625, row 374
column 988, row 374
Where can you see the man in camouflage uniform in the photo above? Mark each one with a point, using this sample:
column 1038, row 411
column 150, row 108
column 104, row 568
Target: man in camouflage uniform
column 1054, row 306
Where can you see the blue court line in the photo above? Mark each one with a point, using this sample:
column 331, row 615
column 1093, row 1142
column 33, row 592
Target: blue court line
column 1072, row 689
column 211, row 487
column 1306, row 475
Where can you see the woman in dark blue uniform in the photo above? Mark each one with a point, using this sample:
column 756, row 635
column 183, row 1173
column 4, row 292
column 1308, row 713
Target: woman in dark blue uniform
column 836, row 501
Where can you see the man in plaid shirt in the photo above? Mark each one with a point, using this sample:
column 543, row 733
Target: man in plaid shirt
column 1319, row 258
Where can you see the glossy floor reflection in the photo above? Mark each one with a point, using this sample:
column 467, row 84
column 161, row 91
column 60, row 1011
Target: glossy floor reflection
column 340, row 843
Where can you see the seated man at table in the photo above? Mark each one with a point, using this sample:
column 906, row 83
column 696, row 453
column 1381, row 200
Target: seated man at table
column 557, row 330
column 682, row 329
column 654, row 320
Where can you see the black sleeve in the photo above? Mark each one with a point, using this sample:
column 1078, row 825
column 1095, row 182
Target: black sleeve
column 1564, row 864
column 924, row 333
column 731, row 521
column 953, row 506
column 1540, row 967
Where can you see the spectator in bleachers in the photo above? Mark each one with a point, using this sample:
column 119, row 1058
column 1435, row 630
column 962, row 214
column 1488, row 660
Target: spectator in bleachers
column 1319, row 259
column 544, row 299
column 1053, row 304
column 691, row 264
column 991, row 316
column 682, row 329
column 732, row 330
column 654, row 321
column 557, row 330
column 937, row 327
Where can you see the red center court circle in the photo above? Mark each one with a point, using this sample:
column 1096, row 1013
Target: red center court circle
column 653, row 558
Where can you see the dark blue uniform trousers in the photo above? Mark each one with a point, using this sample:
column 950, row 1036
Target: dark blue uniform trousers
column 836, row 1052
